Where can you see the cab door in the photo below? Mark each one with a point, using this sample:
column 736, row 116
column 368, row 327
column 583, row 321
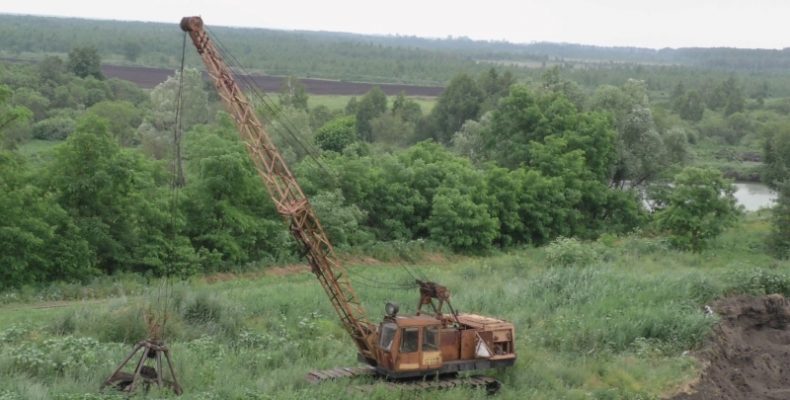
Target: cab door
column 430, row 355
column 409, row 351
column 387, row 345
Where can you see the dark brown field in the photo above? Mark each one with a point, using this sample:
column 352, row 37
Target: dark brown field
column 149, row 77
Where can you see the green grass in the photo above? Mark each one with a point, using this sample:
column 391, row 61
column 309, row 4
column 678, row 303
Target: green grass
column 338, row 102
column 37, row 150
column 616, row 327
column 725, row 158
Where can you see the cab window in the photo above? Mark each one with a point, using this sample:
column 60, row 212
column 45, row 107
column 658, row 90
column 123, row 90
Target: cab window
column 410, row 340
column 430, row 339
column 387, row 334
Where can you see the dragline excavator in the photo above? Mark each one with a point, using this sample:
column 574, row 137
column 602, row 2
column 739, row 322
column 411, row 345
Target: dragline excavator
column 431, row 344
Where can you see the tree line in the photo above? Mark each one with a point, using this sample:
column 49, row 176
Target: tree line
column 496, row 163
column 394, row 58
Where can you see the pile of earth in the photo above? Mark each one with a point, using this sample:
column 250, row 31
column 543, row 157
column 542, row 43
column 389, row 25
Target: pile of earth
column 748, row 355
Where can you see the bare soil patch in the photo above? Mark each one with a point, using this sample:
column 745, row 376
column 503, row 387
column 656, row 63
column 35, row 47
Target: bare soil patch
column 748, row 355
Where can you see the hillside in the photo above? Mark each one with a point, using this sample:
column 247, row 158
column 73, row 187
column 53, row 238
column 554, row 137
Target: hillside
column 612, row 324
column 360, row 57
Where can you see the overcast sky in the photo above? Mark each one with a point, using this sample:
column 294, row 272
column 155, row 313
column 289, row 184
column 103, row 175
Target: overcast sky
column 654, row 23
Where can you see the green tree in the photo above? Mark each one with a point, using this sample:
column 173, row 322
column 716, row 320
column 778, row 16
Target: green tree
column 391, row 131
column 114, row 196
column 691, row 106
column 32, row 100
column 352, row 106
column 494, row 86
column 39, row 241
column 553, row 81
column 459, row 102
column 341, row 221
column 776, row 174
column 12, row 119
column 372, row 104
column 642, row 151
column 293, row 94
column 122, row 118
column 780, row 235
column 51, row 70
column 232, row 220
column 776, row 153
column 319, row 115
column 55, row 128
column 734, row 100
column 640, row 148
column 84, row 62
column 677, row 146
column 406, row 109
column 469, row 141
column 761, row 93
column 698, row 207
column 156, row 130
column 290, row 130
column 678, row 92
column 131, row 50
column 460, row 223
column 126, row 91
column 526, row 117
column 337, row 134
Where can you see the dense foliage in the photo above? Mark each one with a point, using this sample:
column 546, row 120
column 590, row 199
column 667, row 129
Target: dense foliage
column 496, row 163
column 777, row 175
column 698, row 207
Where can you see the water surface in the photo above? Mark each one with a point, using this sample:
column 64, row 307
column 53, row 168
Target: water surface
column 754, row 196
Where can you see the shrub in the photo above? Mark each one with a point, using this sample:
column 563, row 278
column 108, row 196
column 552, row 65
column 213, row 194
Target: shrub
column 460, row 223
column 760, row 281
column 55, row 128
column 337, row 134
column 58, row 356
column 780, row 235
column 13, row 333
column 566, row 252
column 698, row 208
column 636, row 244
column 123, row 324
column 203, row 309
column 213, row 315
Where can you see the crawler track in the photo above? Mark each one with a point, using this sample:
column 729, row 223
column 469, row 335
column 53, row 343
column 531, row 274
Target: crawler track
column 488, row 383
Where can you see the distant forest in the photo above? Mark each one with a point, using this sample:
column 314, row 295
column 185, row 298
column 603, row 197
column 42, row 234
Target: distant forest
column 405, row 59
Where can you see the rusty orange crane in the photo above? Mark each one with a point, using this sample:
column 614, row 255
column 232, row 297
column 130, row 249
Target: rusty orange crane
column 400, row 347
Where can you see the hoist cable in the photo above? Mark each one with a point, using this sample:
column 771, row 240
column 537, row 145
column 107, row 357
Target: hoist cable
column 175, row 184
column 274, row 111
column 287, row 124
column 265, row 99
column 367, row 281
column 289, row 127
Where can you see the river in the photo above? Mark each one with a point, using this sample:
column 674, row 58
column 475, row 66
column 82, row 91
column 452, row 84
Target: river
column 753, row 196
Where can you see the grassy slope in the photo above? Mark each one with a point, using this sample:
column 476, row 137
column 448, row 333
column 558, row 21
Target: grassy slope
column 616, row 328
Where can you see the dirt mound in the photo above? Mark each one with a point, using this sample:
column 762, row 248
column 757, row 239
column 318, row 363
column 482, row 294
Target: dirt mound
column 748, row 356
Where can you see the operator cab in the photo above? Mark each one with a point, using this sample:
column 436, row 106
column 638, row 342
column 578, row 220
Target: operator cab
column 420, row 345
column 409, row 346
